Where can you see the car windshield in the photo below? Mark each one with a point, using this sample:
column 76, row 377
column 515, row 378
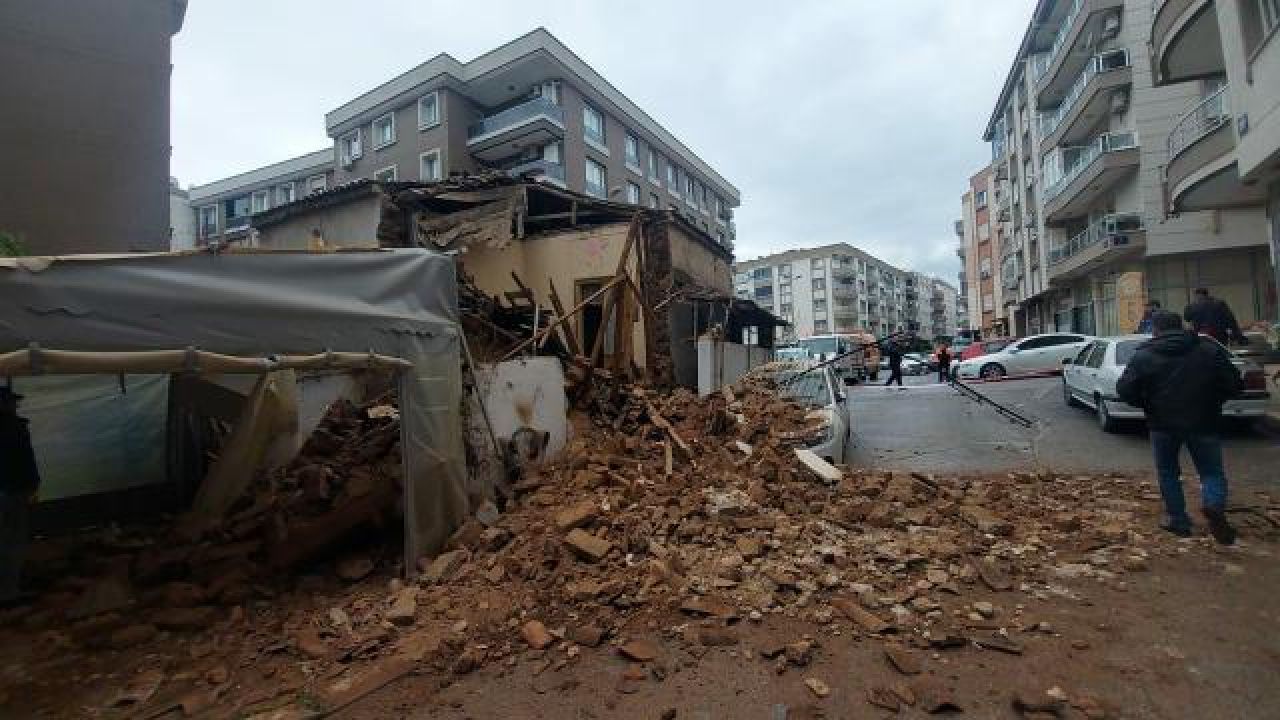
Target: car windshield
column 1125, row 350
column 817, row 346
column 805, row 388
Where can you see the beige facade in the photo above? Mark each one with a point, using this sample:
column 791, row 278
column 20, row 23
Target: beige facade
column 84, row 110
column 981, row 238
column 1097, row 149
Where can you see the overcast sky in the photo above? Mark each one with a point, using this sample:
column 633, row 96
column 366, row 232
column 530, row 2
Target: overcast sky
column 849, row 121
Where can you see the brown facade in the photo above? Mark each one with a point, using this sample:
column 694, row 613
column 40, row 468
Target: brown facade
column 84, row 109
column 985, row 255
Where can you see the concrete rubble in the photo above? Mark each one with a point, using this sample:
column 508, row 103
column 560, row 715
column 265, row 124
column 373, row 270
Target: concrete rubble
column 605, row 551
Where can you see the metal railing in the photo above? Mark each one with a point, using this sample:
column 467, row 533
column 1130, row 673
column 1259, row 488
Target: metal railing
column 237, row 223
column 1044, row 61
column 1111, row 230
column 1098, row 64
column 513, row 116
column 1078, row 158
column 544, row 168
column 1208, row 115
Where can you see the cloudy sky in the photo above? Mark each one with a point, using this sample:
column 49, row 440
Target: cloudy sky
column 850, row 121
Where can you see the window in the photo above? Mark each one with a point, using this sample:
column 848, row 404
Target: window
column 654, row 202
column 285, row 193
column 819, row 306
column 688, row 186
column 988, row 303
column 633, row 193
column 719, row 204
column 764, row 291
column 592, row 125
column 208, row 220
column 1125, row 350
column 1099, row 352
column 428, row 110
column 785, row 309
column 653, row 165
column 763, row 273
column 673, row 176
column 430, row 169
column 259, row 201
column 819, row 327
column 817, row 263
column 633, row 153
column 819, row 284
column 596, row 179
column 551, row 152
column 316, row 184
column 350, row 147
column 384, row 131
column 386, row 174
column 980, row 199
column 1258, row 19
column 985, row 268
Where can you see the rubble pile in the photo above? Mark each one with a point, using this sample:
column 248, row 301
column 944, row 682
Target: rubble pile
column 673, row 527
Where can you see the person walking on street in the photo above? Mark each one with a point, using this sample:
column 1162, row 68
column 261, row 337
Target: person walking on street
column 944, row 363
column 1144, row 325
column 1181, row 381
column 895, row 363
column 19, row 480
column 1211, row 316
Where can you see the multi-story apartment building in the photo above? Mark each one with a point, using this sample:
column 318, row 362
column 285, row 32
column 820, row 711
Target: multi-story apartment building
column 831, row 289
column 530, row 107
column 1080, row 138
column 84, row 113
column 1224, row 152
column 979, row 235
column 936, row 311
column 222, row 208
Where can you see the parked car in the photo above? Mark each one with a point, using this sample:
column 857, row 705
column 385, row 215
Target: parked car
column 1038, row 353
column 916, row 364
column 985, row 347
column 861, row 355
column 1090, row 379
column 791, row 352
column 821, row 391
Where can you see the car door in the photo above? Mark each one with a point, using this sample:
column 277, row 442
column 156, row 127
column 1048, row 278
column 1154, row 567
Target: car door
column 1093, row 379
column 1024, row 355
column 1074, row 374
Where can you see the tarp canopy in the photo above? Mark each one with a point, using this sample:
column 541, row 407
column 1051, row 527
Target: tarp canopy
column 395, row 303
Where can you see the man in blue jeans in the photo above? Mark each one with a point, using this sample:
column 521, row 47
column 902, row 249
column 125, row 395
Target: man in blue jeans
column 1181, row 380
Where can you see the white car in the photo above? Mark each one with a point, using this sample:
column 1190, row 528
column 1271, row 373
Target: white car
column 819, row 390
column 1090, row 379
column 1035, row 354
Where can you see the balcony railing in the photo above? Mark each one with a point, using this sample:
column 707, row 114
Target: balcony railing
column 543, row 168
column 1077, row 159
column 1100, row 63
column 1041, row 63
column 237, row 223
column 1111, row 230
column 517, row 115
column 1208, row 115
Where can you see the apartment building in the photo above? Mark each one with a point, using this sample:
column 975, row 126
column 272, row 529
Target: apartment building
column 1081, row 138
column 936, row 308
column 84, row 113
column 223, row 208
column 979, row 235
column 831, row 289
column 530, row 107
column 1224, row 152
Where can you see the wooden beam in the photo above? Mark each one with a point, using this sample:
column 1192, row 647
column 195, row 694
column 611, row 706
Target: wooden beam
column 570, row 338
column 556, row 323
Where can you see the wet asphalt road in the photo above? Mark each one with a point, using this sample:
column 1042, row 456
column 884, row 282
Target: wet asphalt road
column 930, row 427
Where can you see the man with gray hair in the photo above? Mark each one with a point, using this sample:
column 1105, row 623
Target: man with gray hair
column 1181, row 380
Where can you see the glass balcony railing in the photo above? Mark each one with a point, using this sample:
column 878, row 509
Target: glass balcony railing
column 1112, row 229
column 1207, row 116
column 543, row 168
column 1041, row 63
column 517, row 115
column 1076, row 159
column 1098, row 64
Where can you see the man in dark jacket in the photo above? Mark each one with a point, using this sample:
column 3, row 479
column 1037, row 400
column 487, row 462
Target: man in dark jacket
column 1213, row 317
column 19, row 480
column 1181, row 380
column 895, row 363
column 944, row 363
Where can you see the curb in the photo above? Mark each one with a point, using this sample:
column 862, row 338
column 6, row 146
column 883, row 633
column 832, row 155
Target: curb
column 1023, row 376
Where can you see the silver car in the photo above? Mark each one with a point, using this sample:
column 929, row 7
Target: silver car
column 1090, row 379
column 820, row 391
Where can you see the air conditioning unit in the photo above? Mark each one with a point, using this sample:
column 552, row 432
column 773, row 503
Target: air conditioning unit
column 1111, row 25
column 1119, row 101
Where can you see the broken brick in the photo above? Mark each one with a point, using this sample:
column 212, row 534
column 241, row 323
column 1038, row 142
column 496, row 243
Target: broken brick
column 587, row 546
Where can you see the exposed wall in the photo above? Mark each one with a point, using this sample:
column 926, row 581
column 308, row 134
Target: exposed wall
column 721, row 363
column 85, row 98
column 350, row 224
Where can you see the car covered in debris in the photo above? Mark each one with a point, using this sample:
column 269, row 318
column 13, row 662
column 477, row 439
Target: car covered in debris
column 1030, row 355
column 1089, row 379
column 820, row 390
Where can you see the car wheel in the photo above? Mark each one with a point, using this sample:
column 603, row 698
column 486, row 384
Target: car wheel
column 1105, row 421
column 992, row 371
column 1067, row 395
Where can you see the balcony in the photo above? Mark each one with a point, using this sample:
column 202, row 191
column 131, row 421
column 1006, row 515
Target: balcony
column 1092, row 95
column 531, row 124
column 1202, row 173
column 552, row 172
column 1112, row 238
column 237, row 223
column 1185, row 44
column 1088, row 172
column 1053, row 71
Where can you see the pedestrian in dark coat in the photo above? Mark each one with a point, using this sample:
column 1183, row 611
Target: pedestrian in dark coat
column 19, row 481
column 1144, row 325
column 895, row 363
column 1180, row 380
column 1213, row 317
column 944, row 363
